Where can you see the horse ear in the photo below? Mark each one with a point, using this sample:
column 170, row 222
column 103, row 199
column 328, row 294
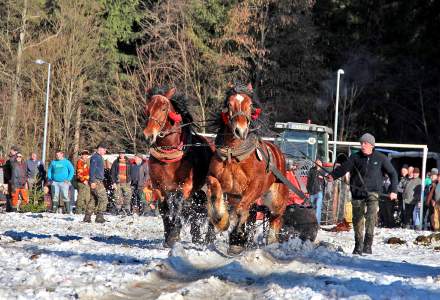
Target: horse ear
column 249, row 87
column 170, row 93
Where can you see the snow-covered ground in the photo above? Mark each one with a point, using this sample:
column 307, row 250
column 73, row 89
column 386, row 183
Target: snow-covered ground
column 47, row 256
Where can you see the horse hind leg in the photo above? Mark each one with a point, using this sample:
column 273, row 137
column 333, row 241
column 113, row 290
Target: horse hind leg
column 276, row 199
column 217, row 208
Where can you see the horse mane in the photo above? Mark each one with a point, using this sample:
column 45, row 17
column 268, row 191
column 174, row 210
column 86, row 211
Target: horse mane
column 179, row 102
column 260, row 125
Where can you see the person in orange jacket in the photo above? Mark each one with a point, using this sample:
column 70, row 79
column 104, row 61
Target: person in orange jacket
column 82, row 176
column 18, row 182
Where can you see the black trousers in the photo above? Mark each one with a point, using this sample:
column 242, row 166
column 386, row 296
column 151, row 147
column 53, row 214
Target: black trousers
column 409, row 208
column 386, row 213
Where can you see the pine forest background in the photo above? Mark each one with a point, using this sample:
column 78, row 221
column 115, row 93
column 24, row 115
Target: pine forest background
column 106, row 53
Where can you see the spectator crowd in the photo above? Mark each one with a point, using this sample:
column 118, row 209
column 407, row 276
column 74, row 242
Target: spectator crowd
column 83, row 189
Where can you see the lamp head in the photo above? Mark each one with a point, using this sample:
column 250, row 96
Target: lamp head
column 340, row 71
column 40, row 62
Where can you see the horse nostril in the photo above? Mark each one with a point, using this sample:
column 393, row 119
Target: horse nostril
column 237, row 132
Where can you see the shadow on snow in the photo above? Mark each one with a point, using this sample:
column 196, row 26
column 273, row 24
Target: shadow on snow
column 110, row 240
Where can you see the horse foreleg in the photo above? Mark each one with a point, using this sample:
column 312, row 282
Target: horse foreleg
column 170, row 209
column 197, row 215
column 217, row 208
column 275, row 224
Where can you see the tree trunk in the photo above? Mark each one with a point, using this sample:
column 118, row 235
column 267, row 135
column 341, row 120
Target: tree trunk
column 12, row 118
column 76, row 137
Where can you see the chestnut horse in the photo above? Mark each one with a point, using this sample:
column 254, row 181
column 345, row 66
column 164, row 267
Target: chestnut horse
column 177, row 170
column 239, row 174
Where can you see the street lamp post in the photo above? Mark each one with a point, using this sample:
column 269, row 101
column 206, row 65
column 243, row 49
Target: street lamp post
column 335, row 132
column 46, row 112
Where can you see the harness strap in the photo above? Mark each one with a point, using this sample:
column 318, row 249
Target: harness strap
column 282, row 178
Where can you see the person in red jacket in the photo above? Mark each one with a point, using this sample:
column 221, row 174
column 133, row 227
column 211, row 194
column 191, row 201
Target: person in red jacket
column 290, row 175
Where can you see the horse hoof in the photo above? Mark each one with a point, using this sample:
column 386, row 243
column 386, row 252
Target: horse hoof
column 171, row 241
column 235, row 249
column 198, row 240
column 209, row 239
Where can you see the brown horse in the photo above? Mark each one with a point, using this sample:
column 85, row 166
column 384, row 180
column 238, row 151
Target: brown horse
column 177, row 170
column 239, row 174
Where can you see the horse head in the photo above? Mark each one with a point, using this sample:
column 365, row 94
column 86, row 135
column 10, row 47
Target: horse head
column 160, row 114
column 238, row 110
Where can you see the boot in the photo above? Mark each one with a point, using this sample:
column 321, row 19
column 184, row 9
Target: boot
column 368, row 242
column 117, row 212
column 87, row 218
column 357, row 249
column 55, row 207
column 67, row 207
column 135, row 210
column 126, row 211
column 99, row 218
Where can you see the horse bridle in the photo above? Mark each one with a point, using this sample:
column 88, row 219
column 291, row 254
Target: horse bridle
column 240, row 113
column 163, row 133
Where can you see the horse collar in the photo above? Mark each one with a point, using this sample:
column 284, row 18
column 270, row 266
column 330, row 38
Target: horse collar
column 240, row 152
column 173, row 154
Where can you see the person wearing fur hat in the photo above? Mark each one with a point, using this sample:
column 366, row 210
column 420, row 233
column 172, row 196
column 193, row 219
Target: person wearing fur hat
column 366, row 169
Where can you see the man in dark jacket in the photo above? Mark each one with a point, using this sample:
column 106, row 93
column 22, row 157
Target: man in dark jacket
column 366, row 169
column 386, row 207
column 139, row 178
column 7, row 174
column 400, row 189
column 98, row 191
column 121, row 178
